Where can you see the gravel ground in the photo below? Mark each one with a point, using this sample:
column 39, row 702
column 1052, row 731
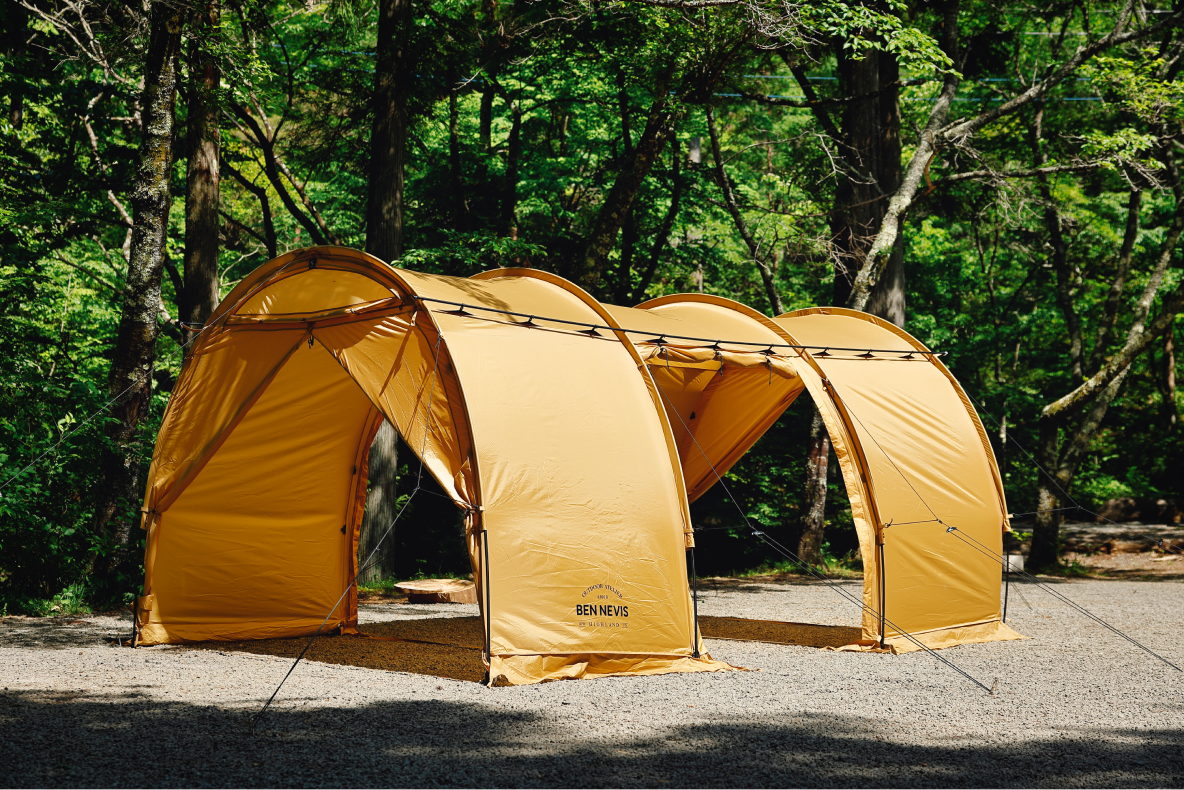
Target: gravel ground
column 1144, row 566
column 1074, row 706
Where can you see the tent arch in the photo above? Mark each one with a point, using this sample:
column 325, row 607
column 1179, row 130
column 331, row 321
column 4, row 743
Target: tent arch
column 607, row 317
column 937, row 590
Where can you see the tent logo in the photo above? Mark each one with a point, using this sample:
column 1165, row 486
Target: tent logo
column 602, row 592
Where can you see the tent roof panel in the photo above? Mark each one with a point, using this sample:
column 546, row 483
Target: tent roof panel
column 313, row 290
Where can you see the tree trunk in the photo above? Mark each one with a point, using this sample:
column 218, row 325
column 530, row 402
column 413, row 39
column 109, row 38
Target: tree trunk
column 510, row 185
column 202, row 197
column 1046, row 541
column 381, row 499
column 814, row 504
column 460, row 204
column 18, row 21
column 663, row 234
column 388, row 135
column 871, row 135
column 384, row 218
column 761, row 259
column 130, row 379
column 1060, row 250
column 1169, row 378
column 619, row 201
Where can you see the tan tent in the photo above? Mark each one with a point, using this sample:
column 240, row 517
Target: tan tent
column 555, row 446
column 565, row 446
column 913, row 453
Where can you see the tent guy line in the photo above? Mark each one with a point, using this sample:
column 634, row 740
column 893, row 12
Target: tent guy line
column 366, row 565
column 660, row 340
column 951, row 530
column 810, row 568
column 1158, row 541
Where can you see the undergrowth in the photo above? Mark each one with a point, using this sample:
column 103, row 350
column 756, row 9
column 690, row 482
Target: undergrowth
column 73, row 600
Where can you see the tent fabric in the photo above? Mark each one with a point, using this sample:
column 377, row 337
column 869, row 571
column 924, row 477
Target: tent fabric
column 552, row 442
column 926, row 466
column 910, row 447
column 572, row 454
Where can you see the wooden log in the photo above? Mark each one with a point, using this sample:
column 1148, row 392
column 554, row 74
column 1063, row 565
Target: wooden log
column 439, row 591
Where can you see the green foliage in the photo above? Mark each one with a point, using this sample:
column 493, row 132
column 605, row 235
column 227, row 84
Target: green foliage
column 580, row 82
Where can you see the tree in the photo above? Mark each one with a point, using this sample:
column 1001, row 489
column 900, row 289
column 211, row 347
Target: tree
column 130, row 378
column 198, row 294
column 393, row 80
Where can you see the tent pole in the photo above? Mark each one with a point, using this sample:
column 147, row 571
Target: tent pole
column 1006, row 576
column 488, row 615
column 695, row 598
column 883, row 586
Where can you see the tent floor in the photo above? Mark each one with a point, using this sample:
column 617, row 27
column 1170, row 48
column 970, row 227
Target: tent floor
column 450, row 647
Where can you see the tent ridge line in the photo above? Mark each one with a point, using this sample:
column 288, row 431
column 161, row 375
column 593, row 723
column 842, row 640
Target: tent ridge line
column 660, row 341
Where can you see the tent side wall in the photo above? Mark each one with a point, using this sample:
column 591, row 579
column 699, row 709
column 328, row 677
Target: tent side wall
column 928, row 466
column 878, row 411
column 584, row 517
column 256, row 546
column 257, row 484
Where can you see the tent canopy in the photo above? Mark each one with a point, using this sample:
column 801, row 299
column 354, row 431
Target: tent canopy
column 572, row 453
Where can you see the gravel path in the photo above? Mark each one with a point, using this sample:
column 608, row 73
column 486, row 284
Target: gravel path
column 1074, row 707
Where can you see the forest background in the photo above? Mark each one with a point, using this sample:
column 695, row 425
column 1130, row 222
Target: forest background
column 1000, row 179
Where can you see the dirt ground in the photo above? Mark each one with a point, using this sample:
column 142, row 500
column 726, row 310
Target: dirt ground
column 1075, row 705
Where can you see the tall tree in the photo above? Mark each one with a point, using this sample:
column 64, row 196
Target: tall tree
column 129, row 383
column 394, row 77
column 869, row 142
column 199, row 294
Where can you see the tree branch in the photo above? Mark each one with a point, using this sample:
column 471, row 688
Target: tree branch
column 1084, row 167
column 762, row 266
column 271, row 168
column 260, row 194
column 880, row 252
column 936, row 133
column 667, row 225
column 1060, row 250
column 961, row 130
column 1139, row 336
column 1105, row 332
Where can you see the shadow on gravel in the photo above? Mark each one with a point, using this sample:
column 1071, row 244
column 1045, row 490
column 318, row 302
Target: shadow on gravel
column 60, row 739
column 450, row 647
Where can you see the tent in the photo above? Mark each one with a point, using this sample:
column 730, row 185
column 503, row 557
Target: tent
column 915, row 458
column 555, row 447
column 570, row 449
